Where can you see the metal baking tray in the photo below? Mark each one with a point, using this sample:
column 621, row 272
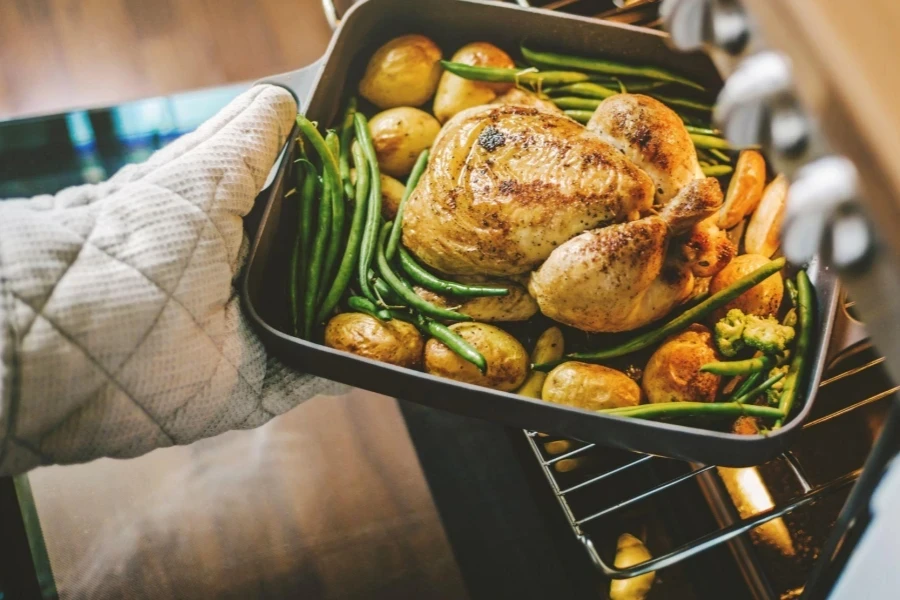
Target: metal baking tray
column 452, row 24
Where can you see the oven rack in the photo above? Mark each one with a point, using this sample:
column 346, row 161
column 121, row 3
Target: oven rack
column 578, row 518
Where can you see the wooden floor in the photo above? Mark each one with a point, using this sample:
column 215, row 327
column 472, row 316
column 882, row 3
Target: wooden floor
column 326, row 501
column 59, row 54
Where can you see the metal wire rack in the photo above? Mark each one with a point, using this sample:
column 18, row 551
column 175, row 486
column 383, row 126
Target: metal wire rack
column 580, row 516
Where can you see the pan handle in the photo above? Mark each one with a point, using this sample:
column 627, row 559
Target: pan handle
column 299, row 82
column 848, row 335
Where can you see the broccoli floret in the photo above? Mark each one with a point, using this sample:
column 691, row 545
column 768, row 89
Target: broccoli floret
column 767, row 334
column 773, row 394
column 737, row 331
column 728, row 333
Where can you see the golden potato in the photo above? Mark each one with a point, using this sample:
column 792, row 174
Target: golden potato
column 631, row 551
column 549, row 347
column 593, row 387
column 391, row 194
column 517, row 305
column 764, row 299
column 673, row 372
column 400, row 135
column 507, row 360
column 394, row 342
column 403, row 72
column 455, row 94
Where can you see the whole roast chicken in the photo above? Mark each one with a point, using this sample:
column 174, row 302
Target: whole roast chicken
column 613, row 217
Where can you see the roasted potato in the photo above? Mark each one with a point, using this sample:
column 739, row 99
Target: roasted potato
column 455, row 94
column 763, row 300
column 400, row 135
column 594, row 387
column 673, row 372
column 745, row 189
column 507, row 360
column 517, row 305
column 391, row 194
column 403, row 72
column 631, row 551
column 394, row 342
column 764, row 229
column 549, row 347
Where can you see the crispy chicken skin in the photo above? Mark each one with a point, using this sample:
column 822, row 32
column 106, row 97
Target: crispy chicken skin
column 507, row 184
column 653, row 137
column 619, row 278
column 522, row 97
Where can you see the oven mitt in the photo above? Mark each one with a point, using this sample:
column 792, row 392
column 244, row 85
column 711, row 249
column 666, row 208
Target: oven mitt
column 120, row 324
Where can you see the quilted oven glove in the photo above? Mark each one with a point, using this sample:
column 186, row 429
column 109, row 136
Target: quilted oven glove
column 120, row 324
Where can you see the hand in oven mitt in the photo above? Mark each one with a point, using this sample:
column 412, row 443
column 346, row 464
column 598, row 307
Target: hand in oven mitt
column 120, row 324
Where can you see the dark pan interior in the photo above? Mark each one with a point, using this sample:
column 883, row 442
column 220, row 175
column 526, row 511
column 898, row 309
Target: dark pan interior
column 364, row 29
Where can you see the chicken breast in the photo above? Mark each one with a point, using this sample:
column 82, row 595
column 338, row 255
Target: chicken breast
column 525, row 98
column 653, row 136
column 619, row 278
column 506, row 185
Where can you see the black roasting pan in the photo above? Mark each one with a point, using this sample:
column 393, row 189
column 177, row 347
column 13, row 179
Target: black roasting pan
column 451, row 23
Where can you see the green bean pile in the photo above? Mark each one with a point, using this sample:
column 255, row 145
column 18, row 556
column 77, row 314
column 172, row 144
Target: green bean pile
column 372, row 274
column 577, row 85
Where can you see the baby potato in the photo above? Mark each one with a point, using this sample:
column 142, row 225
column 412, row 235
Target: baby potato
column 400, row 135
column 549, row 347
column 455, row 94
column 403, row 72
column 394, row 342
column 507, row 360
column 763, row 300
column 673, row 372
column 391, row 194
column 593, row 387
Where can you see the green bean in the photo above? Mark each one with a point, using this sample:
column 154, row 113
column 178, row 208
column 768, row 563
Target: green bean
column 306, row 181
column 718, row 170
column 747, row 385
column 335, row 191
column 364, row 305
column 643, row 86
column 329, row 161
column 671, row 101
column 739, row 367
column 441, row 286
column 805, row 300
column 760, row 389
column 351, row 251
column 584, row 90
column 373, row 212
column 404, row 291
column 582, row 116
column 456, row 343
column 576, row 103
column 317, row 255
column 606, row 67
column 710, row 141
column 346, row 141
column 384, row 292
column 418, row 169
column 694, row 409
column 720, row 155
column 791, row 288
column 682, row 321
column 530, row 77
column 702, row 130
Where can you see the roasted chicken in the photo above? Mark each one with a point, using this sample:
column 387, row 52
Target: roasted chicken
column 507, row 184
